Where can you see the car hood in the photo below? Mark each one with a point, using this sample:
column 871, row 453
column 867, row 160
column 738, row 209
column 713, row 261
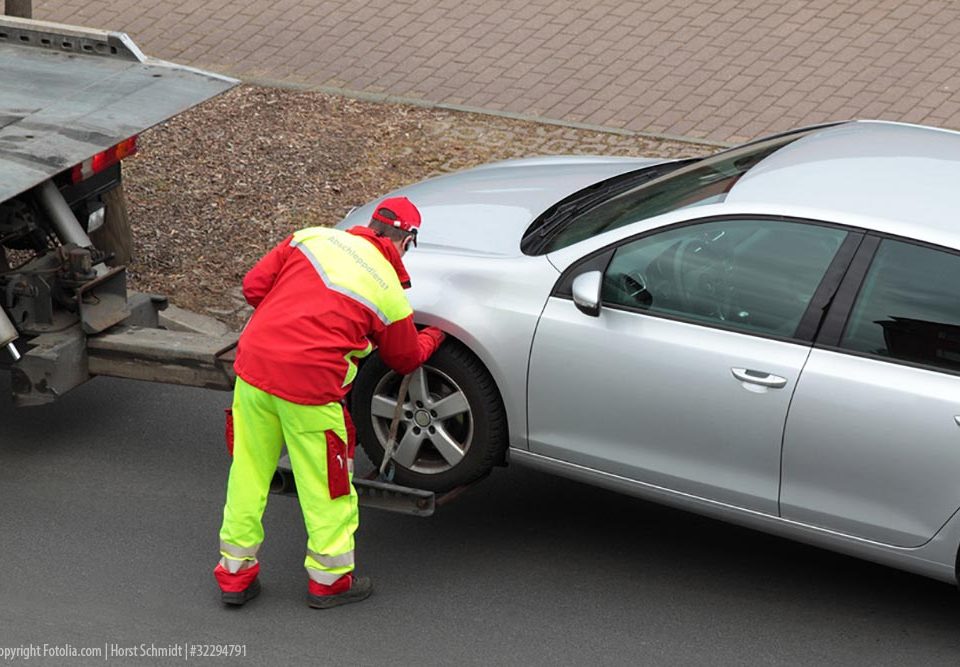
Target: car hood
column 485, row 210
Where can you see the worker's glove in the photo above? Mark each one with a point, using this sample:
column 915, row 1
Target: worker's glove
column 434, row 333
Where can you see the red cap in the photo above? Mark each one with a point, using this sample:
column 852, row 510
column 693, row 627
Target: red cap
column 398, row 212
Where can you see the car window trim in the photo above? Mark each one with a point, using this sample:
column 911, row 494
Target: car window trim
column 888, row 360
column 840, row 311
column 810, row 321
column 818, row 308
column 598, row 260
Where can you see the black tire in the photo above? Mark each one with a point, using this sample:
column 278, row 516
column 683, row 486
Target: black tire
column 482, row 429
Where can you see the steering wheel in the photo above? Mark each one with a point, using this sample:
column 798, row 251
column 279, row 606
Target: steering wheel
column 701, row 275
column 633, row 284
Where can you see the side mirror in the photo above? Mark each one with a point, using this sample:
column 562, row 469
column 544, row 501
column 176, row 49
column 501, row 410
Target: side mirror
column 586, row 292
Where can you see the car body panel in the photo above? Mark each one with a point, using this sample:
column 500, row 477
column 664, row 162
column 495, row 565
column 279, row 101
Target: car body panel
column 723, row 444
column 494, row 313
column 878, row 170
column 872, row 449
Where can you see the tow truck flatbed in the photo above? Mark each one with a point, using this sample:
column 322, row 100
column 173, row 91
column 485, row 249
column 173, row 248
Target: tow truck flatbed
column 67, row 93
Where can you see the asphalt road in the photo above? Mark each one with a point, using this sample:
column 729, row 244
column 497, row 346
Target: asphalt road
column 110, row 503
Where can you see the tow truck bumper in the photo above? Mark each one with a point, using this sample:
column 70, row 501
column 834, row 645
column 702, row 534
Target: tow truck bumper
column 145, row 346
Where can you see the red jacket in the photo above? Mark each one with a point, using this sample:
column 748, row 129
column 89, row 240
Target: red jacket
column 317, row 310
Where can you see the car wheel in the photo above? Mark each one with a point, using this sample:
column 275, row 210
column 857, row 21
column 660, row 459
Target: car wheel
column 453, row 429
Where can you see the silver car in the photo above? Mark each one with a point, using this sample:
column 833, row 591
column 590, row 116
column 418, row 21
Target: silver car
column 769, row 335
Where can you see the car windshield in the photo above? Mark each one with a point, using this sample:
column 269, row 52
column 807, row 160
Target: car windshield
column 706, row 181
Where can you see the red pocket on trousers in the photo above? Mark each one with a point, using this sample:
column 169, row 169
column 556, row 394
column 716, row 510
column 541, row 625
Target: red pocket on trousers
column 351, row 435
column 338, row 477
column 229, row 430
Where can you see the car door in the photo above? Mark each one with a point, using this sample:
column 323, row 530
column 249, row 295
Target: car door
column 872, row 442
column 684, row 378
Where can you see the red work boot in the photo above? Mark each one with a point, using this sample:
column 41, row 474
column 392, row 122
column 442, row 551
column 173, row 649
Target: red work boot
column 238, row 588
column 344, row 590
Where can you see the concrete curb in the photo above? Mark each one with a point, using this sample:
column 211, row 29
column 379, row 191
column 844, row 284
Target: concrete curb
column 175, row 318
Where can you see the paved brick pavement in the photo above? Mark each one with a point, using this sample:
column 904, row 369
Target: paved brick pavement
column 721, row 70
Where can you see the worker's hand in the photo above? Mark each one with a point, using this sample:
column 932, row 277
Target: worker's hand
column 434, row 333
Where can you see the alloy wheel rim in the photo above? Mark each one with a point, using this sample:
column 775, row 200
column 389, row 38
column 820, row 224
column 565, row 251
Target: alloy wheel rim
column 436, row 425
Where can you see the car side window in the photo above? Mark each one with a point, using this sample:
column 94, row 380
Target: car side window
column 751, row 275
column 908, row 307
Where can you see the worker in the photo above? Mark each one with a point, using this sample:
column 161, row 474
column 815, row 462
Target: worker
column 322, row 299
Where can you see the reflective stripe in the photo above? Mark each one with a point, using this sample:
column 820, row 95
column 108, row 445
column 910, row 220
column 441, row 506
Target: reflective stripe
column 321, row 577
column 352, row 365
column 233, row 566
column 332, row 286
column 352, row 266
column 350, row 466
column 238, row 553
column 343, row 560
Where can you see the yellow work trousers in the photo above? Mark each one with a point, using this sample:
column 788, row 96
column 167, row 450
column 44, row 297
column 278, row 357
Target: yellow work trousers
column 320, row 450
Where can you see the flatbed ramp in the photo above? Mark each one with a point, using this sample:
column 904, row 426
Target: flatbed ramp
column 88, row 90
column 159, row 355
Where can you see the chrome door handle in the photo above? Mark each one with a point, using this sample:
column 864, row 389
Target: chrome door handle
column 759, row 377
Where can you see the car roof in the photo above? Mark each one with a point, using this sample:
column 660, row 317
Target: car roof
column 904, row 175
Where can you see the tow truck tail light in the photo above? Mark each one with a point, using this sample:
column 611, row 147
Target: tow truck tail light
column 103, row 160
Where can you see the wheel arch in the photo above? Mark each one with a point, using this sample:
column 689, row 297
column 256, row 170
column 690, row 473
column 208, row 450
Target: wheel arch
column 506, row 368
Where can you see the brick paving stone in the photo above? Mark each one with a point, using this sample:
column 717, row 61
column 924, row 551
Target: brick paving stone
column 756, row 64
